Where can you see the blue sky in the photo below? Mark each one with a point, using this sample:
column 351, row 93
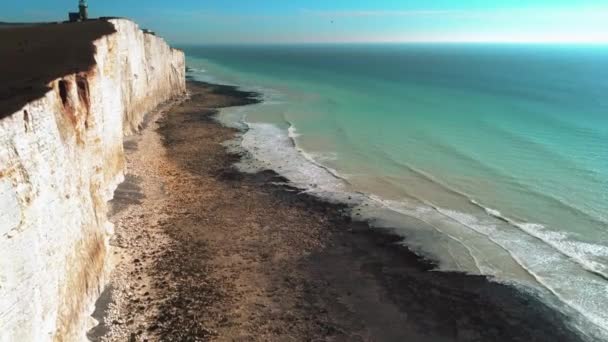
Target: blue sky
column 250, row 21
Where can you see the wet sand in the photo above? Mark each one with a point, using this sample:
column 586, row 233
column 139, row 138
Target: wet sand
column 204, row 252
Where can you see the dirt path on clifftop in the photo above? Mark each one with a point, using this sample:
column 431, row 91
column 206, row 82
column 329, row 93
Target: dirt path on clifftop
column 206, row 253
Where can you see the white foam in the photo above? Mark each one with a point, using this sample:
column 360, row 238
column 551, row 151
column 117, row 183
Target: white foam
column 197, row 70
column 490, row 211
column 274, row 148
column 584, row 253
column 550, row 258
column 582, row 291
column 292, row 132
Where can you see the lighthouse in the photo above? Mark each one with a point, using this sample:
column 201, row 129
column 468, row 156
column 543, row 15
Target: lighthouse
column 83, row 10
column 82, row 14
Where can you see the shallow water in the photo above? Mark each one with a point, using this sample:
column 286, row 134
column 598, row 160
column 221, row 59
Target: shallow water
column 489, row 159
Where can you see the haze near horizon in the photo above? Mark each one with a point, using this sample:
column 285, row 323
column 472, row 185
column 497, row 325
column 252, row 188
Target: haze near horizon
column 274, row 21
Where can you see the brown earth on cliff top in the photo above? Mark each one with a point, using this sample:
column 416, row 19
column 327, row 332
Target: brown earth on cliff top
column 32, row 56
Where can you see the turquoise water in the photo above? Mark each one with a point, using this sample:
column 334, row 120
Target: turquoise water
column 489, row 159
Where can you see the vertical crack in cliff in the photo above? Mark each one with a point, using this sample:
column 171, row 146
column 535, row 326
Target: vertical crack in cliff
column 70, row 108
column 64, row 89
column 82, row 85
column 26, row 121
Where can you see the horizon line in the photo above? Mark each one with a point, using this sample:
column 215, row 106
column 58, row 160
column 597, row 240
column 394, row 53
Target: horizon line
column 412, row 42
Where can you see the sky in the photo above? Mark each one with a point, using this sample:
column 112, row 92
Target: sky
column 297, row 21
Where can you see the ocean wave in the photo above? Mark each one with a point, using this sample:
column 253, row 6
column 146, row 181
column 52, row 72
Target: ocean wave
column 575, row 167
column 544, row 266
column 582, row 253
column 278, row 149
column 579, row 251
column 423, row 213
column 542, row 148
column 196, row 70
column 271, row 145
column 292, row 134
column 522, row 186
column 292, row 131
column 492, row 212
column 541, row 267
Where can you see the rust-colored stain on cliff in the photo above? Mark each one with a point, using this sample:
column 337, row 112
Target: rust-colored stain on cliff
column 64, row 87
column 34, row 55
column 75, row 106
column 83, row 277
column 82, row 84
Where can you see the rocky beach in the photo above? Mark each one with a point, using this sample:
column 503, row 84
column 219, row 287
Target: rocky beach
column 205, row 252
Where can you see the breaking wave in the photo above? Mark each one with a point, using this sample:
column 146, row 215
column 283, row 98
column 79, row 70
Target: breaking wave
column 537, row 250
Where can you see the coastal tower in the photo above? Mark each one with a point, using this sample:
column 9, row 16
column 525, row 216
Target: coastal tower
column 83, row 10
column 82, row 14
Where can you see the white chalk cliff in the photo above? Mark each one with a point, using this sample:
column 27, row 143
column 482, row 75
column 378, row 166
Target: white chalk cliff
column 61, row 158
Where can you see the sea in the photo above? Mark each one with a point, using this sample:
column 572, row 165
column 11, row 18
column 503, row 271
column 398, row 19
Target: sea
column 488, row 159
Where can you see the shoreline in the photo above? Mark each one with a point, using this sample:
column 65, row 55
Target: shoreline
column 205, row 252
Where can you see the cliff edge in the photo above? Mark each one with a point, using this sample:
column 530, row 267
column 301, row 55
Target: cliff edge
column 68, row 95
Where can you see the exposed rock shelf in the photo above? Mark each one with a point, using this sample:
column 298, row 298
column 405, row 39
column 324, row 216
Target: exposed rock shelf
column 64, row 110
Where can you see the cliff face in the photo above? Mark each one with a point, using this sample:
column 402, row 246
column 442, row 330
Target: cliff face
column 61, row 158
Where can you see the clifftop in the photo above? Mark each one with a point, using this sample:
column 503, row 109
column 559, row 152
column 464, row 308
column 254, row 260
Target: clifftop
column 34, row 55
